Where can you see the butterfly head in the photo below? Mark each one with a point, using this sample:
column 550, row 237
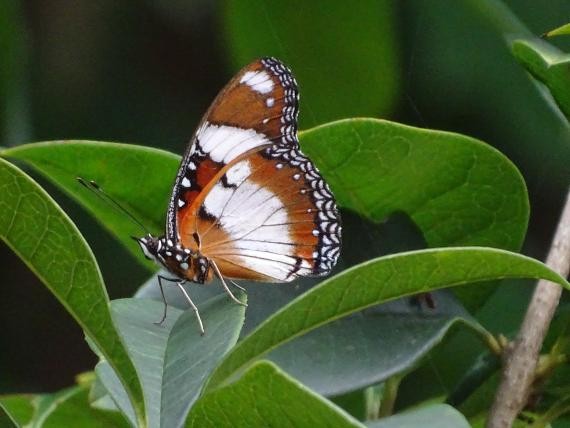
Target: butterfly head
column 182, row 262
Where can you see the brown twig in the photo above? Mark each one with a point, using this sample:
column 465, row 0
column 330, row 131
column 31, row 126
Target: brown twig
column 520, row 359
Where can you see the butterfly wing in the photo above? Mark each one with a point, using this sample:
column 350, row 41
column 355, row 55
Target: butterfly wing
column 256, row 108
column 260, row 209
column 271, row 218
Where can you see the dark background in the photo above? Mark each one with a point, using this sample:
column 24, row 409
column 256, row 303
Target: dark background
column 144, row 72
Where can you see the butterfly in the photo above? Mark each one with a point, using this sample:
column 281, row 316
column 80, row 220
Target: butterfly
column 246, row 203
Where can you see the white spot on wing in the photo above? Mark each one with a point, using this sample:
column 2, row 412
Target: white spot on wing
column 185, row 182
column 249, row 212
column 225, row 143
column 216, row 199
column 259, row 81
column 270, row 102
column 238, row 173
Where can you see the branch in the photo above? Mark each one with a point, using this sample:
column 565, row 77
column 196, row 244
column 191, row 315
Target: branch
column 521, row 357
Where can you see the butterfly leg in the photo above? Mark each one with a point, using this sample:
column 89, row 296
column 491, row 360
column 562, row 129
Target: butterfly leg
column 219, row 275
column 237, row 285
column 192, row 305
column 160, row 279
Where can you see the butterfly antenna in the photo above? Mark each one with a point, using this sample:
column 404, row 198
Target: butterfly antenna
column 95, row 188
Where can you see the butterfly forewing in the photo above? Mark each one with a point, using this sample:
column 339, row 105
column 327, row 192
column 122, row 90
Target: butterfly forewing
column 245, row 195
column 256, row 108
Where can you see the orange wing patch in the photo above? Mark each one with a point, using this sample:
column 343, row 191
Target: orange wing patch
column 262, row 93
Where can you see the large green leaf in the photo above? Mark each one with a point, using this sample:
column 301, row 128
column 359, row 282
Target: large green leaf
column 173, row 360
column 435, row 416
column 365, row 344
column 266, row 396
column 457, row 190
column 356, row 75
column 139, row 177
column 42, row 235
column 371, row 346
column 548, row 65
column 374, row 282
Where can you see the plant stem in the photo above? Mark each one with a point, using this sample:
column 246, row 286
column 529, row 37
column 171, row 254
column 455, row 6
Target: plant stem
column 373, row 396
column 390, row 394
column 520, row 359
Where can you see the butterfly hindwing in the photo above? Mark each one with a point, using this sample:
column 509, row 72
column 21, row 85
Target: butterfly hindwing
column 269, row 223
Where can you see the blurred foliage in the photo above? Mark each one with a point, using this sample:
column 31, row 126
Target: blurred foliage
column 351, row 71
column 14, row 73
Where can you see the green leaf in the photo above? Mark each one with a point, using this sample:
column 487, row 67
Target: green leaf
column 371, row 346
column 173, row 360
column 100, row 398
column 6, row 420
column 548, row 65
column 481, row 399
column 69, row 407
column 120, row 170
column 112, row 384
column 374, row 282
column 73, row 409
column 362, row 79
column 359, row 357
column 266, row 396
column 485, row 366
column 18, row 409
column 436, row 416
column 457, row 190
column 42, row 235
column 563, row 30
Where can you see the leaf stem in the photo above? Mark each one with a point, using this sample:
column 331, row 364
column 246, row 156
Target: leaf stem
column 495, row 344
column 373, row 396
column 389, row 397
column 521, row 357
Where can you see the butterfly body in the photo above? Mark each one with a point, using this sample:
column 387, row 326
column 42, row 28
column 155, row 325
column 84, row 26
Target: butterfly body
column 185, row 263
column 246, row 202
